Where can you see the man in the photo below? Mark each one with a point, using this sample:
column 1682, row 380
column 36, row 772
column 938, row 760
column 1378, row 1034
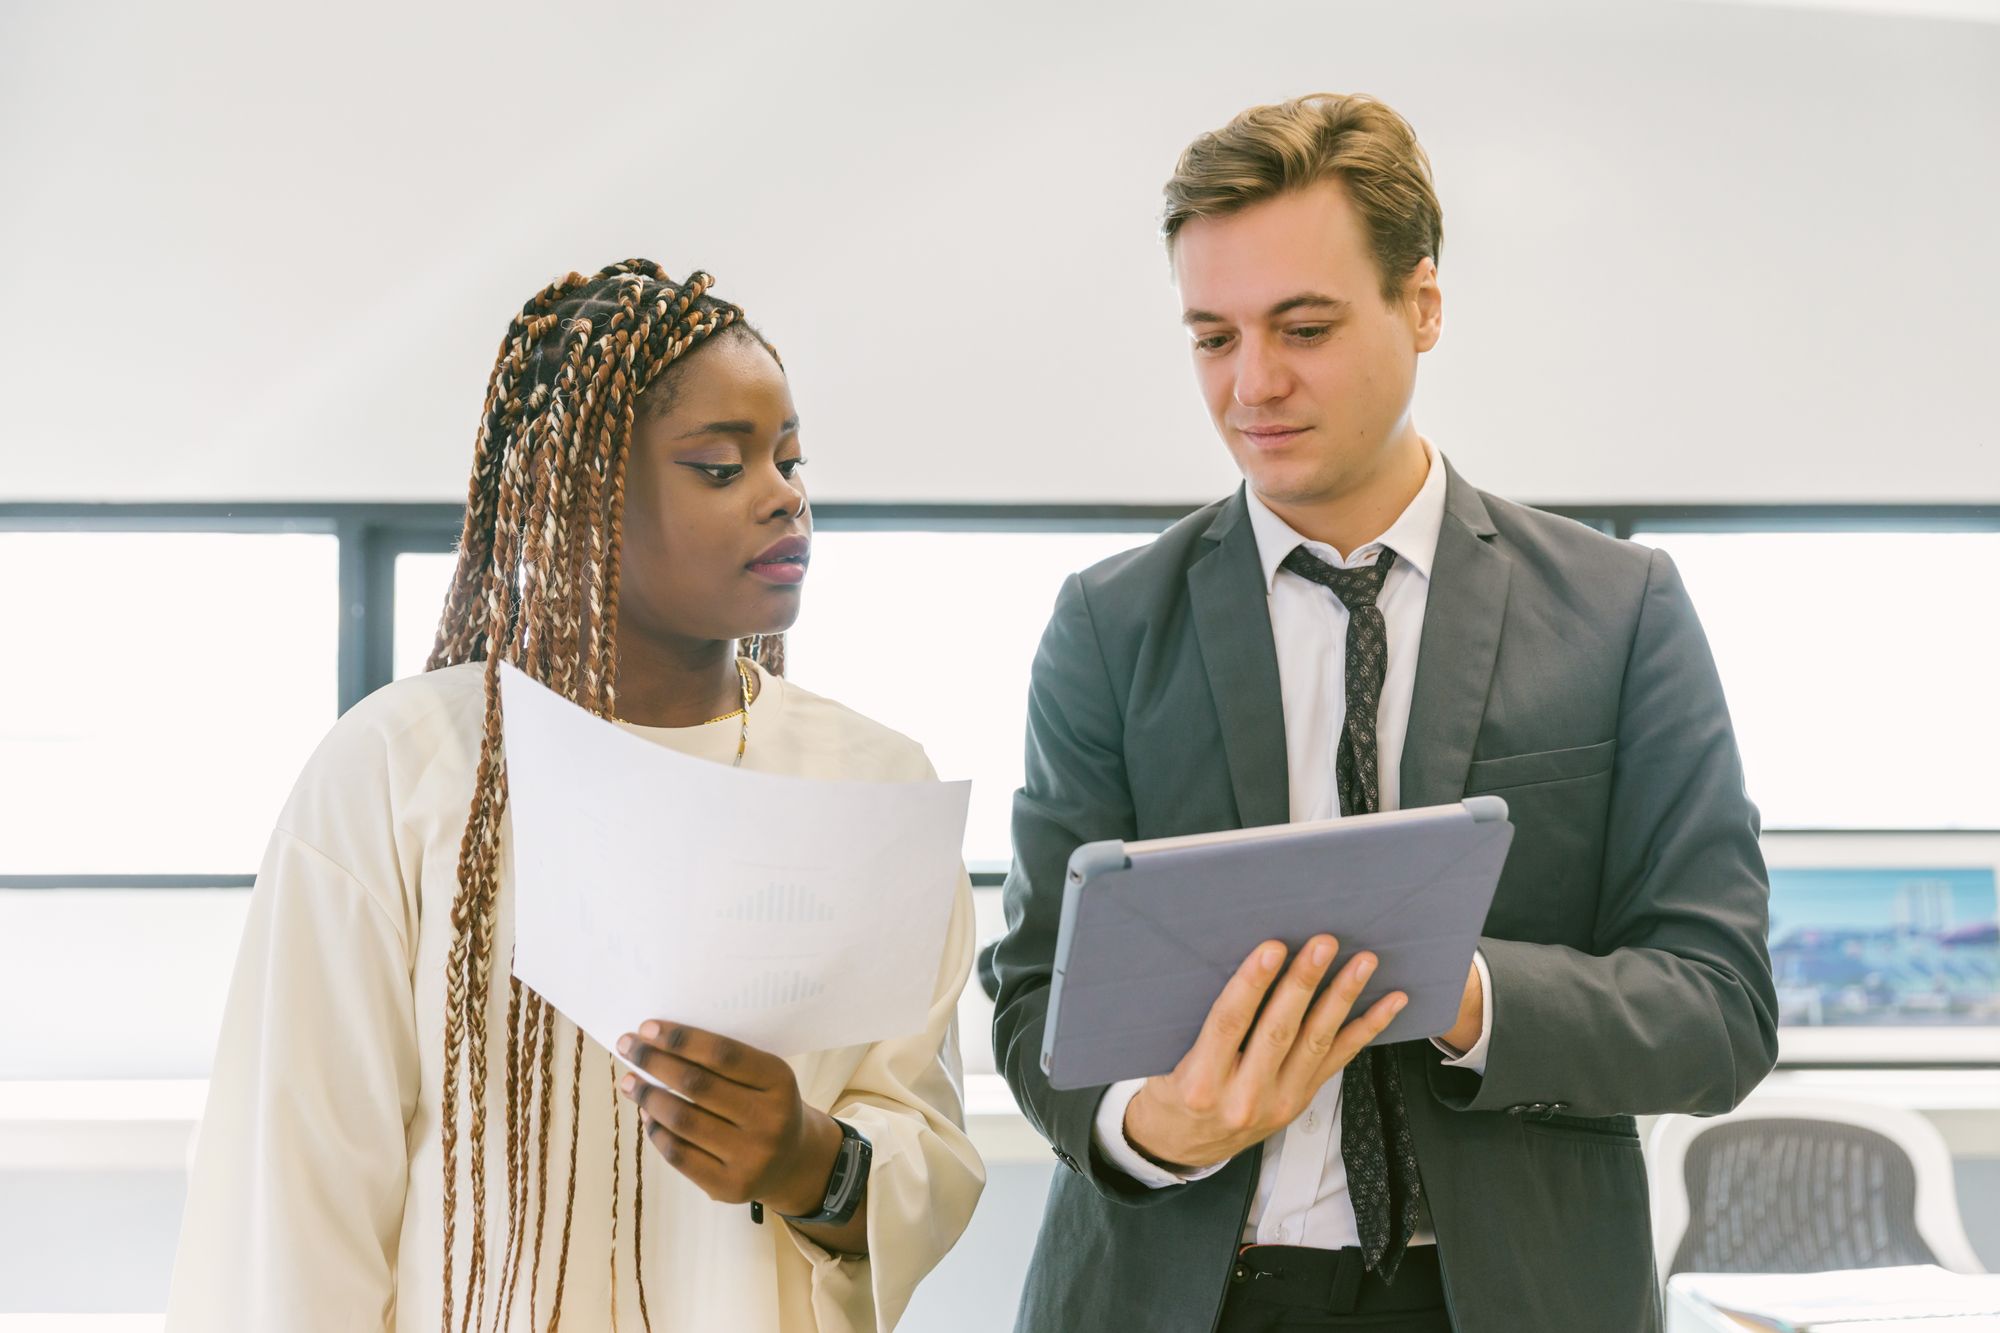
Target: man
column 1359, row 629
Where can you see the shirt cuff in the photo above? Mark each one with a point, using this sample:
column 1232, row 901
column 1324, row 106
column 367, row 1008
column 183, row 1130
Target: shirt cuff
column 1107, row 1132
column 1474, row 1059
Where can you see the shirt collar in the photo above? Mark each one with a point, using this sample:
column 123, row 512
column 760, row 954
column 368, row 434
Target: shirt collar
column 1413, row 536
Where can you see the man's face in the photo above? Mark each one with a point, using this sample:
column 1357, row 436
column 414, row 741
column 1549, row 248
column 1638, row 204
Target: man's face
column 1307, row 371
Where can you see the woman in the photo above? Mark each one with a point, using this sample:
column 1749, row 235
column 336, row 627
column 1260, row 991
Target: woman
column 386, row 1100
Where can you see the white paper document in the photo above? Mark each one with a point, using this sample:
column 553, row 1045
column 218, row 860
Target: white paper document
column 790, row 913
column 1858, row 1299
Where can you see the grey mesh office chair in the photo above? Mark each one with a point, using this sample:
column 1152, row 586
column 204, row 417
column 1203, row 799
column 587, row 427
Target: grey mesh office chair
column 1803, row 1185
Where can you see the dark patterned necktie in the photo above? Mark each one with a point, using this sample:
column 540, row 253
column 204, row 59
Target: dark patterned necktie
column 1375, row 1141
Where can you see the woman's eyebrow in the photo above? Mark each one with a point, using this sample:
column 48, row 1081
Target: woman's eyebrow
column 736, row 428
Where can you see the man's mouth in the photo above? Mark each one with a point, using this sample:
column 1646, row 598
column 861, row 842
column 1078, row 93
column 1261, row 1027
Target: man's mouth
column 1271, row 437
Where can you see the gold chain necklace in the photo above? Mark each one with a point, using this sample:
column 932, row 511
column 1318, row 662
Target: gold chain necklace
column 742, row 710
column 743, row 731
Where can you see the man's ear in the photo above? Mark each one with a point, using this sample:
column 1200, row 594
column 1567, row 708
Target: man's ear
column 1423, row 299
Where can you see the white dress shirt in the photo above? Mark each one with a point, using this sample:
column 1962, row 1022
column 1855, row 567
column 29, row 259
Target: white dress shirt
column 1301, row 1196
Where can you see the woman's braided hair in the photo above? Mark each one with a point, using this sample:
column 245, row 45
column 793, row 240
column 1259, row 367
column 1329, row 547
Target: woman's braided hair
column 536, row 585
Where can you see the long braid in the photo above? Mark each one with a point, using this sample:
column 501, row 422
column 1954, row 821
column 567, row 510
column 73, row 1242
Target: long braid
column 502, row 411
column 639, row 1216
column 479, row 884
column 569, row 1201
column 531, row 1029
column 545, row 1107
column 536, row 584
column 541, row 477
column 617, row 1173
column 515, row 995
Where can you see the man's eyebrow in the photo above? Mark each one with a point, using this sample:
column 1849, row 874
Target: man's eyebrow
column 1307, row 300
column 1303, row 301
column 736, row 428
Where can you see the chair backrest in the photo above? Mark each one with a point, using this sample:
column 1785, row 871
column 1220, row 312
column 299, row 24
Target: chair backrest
column 1803, row 1185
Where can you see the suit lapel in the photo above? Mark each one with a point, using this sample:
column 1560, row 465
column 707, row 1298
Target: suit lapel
column 1232, row 622
column 1461, row 639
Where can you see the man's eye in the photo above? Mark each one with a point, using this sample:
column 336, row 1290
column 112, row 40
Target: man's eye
column 1310, row 332
column 788, row 468
column 1214, row 342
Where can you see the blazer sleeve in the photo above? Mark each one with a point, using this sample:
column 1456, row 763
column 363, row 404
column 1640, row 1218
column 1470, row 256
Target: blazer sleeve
column 1674, row 1009
column 295, row 1201
column 1075, row 791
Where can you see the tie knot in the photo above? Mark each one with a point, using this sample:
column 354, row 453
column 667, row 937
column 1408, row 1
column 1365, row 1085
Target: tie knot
column 1356, row 588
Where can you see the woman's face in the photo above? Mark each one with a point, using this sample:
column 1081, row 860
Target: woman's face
column 716, row 526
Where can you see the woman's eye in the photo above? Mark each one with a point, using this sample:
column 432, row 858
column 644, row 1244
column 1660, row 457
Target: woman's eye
column 718, row 471
column 788, row 468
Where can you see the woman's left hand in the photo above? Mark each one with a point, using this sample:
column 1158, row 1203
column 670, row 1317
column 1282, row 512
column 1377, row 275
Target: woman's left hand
column 737, row 1128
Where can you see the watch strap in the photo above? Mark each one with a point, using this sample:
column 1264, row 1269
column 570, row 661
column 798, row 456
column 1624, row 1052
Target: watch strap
column 847, row 1183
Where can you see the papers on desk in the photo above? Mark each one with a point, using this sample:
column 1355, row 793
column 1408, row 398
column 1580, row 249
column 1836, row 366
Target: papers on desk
column 1866, row 1300
column 793, row 914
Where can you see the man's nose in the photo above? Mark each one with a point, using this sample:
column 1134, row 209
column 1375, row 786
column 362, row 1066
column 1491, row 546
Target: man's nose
column 1260, row 376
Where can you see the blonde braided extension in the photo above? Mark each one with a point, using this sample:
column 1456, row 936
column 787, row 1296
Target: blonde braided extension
column 536, row 584
column 545, row 1105
column 458, row 630
column 519, row 1101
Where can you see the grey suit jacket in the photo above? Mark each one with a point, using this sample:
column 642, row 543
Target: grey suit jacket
column 1559, row 668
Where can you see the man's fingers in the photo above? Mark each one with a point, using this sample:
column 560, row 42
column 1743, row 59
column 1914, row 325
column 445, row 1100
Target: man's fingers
column 1278, row 1027
column 1359, row 1033
column 1229, row 1018
column 1322, row 1025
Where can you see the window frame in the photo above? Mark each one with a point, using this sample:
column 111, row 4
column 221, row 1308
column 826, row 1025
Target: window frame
column 372, row 535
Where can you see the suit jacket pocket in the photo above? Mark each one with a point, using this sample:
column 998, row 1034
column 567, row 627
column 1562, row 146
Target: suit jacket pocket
column 1528, row 770
column 1610, row 1129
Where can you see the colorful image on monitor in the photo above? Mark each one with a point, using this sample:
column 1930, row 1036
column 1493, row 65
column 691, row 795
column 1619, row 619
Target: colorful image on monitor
column 1886, row 948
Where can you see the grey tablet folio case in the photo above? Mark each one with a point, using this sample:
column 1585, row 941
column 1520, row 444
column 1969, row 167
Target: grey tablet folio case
column 1151, row 931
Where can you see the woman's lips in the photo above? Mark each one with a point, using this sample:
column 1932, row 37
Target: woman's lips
column 786, row 573
column 783, row 562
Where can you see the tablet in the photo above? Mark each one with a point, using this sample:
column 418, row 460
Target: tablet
column 1152, row 931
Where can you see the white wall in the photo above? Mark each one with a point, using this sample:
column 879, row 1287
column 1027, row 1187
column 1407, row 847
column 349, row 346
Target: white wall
column 1693, row 251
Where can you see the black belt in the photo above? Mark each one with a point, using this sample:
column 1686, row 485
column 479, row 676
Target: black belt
column 1335, row 1281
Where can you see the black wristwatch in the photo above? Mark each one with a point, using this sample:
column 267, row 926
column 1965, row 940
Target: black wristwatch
column 848, row 1183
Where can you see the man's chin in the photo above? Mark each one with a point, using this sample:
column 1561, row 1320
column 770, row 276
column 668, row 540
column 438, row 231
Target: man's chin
column 1289, row 483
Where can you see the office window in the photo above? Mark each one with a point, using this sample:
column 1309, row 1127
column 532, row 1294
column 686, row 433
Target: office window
column 933, row 633
column 160, row 693
column 421, row 580
column 121, row 983
column 1859, row 669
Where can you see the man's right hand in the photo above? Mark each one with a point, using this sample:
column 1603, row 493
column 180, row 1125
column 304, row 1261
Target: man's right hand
column 1227, row 1095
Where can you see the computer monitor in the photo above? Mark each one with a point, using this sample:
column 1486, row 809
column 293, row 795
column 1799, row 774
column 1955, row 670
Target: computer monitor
column 1886, row 947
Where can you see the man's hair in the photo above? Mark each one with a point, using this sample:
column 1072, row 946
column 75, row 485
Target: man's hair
column 1351, row 138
